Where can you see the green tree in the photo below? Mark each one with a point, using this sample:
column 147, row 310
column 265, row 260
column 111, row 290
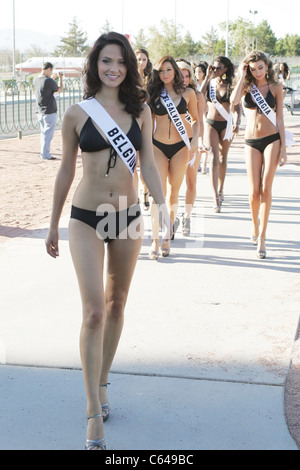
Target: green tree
column 166, row 41
column 266, row 39
column 106, row 28
column 140, row 40
column 74, row 44
column 292, row 42
column 210, row 42
column 241, row 34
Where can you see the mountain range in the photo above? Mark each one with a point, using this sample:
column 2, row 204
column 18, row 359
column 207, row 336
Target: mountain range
column 24, row 39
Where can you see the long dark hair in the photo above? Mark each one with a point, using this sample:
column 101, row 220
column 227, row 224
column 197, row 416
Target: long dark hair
column 130, row 91
column 230, row 68
column 148, row 68
column 155, row 85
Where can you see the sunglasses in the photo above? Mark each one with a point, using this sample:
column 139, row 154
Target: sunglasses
column 217, row 68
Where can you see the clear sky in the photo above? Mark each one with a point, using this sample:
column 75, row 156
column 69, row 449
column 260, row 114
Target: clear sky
column 129, row 16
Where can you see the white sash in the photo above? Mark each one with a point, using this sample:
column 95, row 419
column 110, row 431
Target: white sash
column 175, row 117
column 270, row 113
column 114, row 134
column 227, row 116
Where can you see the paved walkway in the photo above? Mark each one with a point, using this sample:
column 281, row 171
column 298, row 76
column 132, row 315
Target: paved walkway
column 206, row 347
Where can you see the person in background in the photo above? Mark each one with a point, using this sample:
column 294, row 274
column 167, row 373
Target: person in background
column 283, row 76
column 45, row 88
column 200, row 74
column 219, row 130
column 106, row 227
column 265, row 140
column 145, row 69
column 171, row 145
column 189, row 81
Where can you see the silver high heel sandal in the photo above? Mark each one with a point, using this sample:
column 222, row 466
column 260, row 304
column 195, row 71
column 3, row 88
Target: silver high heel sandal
column 105, row 406
column 261, row 253
column 91, row 444
column 254, row 239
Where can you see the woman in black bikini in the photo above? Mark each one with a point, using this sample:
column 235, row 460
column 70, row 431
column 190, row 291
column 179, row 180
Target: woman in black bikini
column 170, row 151
column 265, row 143
column 215, row 127
column 191, row 172
column 105, row 210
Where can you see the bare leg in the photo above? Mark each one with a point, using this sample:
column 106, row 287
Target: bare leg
column 254, row 163
column 224, row 149
column 191, row 186
column 213, row 139
column 162, row 164
column 88, row 254
column 122, row 255
column 271, row 159
column 177, row 170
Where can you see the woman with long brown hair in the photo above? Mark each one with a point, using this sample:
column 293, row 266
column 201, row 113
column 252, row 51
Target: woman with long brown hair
column 145, row 69
column 169, row 101
column 109, row 125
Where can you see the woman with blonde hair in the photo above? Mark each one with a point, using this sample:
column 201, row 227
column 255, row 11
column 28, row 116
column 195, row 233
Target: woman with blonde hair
column 264, row 137
column 169, row 101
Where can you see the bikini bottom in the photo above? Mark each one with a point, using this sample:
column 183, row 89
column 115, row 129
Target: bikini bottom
column 262, row 142
column 169, row 150
column 108, row 225
column 218, row 125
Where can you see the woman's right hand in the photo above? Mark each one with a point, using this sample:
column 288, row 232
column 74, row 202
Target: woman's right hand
column 243, row 69
column 51, row 243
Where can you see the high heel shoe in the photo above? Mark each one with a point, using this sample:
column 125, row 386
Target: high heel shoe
column 261, row 252
column 186, row 226
column 91, row 444
column 146, row 202
column 254, row 239
column 175, row 227
column 221, row 197
column 165, row 248
column 153, row 253
column 106, row 409
column 217, row 207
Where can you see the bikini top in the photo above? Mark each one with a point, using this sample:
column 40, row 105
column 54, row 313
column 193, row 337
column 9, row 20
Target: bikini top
column 161, row 110
column 221, row 99
column 249, row 103
column 90, row 140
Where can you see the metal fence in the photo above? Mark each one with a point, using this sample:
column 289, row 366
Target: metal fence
column 18, row 105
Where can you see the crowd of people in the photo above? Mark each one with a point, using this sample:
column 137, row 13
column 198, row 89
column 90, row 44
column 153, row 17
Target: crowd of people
column 166, row 117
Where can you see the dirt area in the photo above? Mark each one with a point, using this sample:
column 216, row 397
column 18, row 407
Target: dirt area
column 26, row 182
column 26, row 185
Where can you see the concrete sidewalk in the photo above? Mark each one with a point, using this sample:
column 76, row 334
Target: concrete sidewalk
column 206, row 346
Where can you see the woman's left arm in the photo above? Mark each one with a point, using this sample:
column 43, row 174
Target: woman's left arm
column 280, row 123
column 149, row 170
column 191, row 99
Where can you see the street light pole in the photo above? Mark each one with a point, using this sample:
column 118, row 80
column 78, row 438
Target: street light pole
column 14, row 42
column 227, row 29
column 254, row 12
column 175, row 20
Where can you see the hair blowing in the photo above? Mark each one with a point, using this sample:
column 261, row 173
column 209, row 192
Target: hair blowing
column 130, row 92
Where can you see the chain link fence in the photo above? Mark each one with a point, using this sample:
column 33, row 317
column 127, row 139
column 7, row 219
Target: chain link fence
column 18, row 115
